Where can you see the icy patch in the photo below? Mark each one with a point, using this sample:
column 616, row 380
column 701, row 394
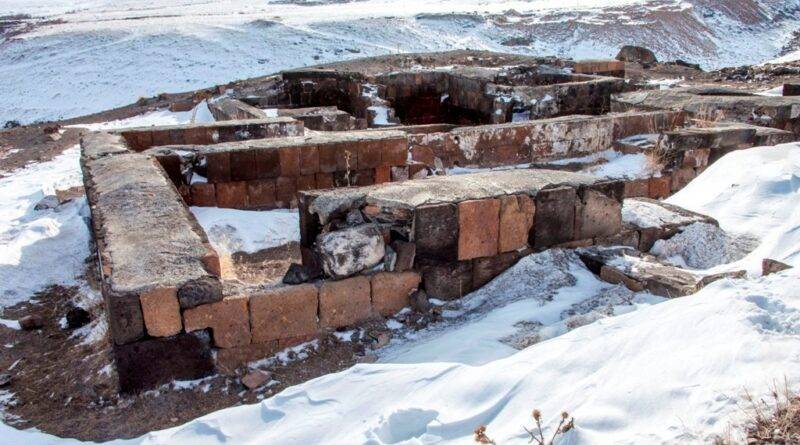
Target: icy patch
column 772, row 92
column 381, row 115
column 702, row 246
column 288, row 355
column 231, row 230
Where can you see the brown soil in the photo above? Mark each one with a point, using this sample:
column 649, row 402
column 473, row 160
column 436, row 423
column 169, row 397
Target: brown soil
column 34, row 143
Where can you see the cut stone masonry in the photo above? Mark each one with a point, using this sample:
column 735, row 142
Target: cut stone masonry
column 380, row 218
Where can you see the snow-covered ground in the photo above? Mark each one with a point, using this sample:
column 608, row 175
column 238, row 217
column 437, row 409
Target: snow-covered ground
column 231, row 230
column 100, row 54
column 41, row 247
column 754, row 193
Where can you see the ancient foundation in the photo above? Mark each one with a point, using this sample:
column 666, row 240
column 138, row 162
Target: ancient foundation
column 368, row 158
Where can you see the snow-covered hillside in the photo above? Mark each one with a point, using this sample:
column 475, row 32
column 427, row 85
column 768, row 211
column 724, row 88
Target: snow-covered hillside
column 87, row 57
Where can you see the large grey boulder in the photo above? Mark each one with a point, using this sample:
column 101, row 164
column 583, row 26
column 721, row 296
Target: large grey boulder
column 349, row 251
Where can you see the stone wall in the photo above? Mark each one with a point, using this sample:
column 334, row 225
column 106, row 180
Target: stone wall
column 458, row 231
column 268, row 174
column 614, row 68
column 718, row 105
column 140, row 139
column 155, row 261
column 161, row 280
column 687, row 152
column 535, row 141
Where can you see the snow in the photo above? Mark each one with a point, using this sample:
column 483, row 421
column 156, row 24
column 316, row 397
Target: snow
column 41, row 247
column 753, row 193
column 231, row 230
column 664, row 84
column 11, row 324
column 664, row 373
column 777, row 91
column 381, row 115
column 702, row 246
column 647, row 214
column 536, row 299
column 112, row 52
column 199, row 114
column 792, row 56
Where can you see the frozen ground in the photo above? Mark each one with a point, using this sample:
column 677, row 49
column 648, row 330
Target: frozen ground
column 102, row 53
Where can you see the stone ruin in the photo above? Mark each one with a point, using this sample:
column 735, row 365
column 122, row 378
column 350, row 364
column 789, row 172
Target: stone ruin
column 368, row 160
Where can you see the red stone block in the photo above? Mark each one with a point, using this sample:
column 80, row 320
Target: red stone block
column 368, row 154
column 161, row 312
column 284, row 312
column 197, row 135
column 290, row 161
column 203, row 194
column 390, row 291
column 161, row 137
column 696, row 158
column 309, row 160
column 394, row 152
column 285, row 192
column 307, row 182
column 344, row 303
column 364, row 178
column 229, row 321
column 268, row 164
column 478, row 228
column 232, row 195
column 486, row 269
column 681, row 177
column 218, row 166
column 324, row 180
column 516, row 220
column 637, row 188
column 660, row 187
column 327, row 158
column 139, row 140
column 383, row 174
column 243, row 165
column 261, row 194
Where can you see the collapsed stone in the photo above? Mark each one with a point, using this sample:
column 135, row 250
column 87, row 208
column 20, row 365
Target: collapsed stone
column 351, row 250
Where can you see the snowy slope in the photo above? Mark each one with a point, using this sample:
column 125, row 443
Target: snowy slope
column 754, row 192
column 103, row 53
